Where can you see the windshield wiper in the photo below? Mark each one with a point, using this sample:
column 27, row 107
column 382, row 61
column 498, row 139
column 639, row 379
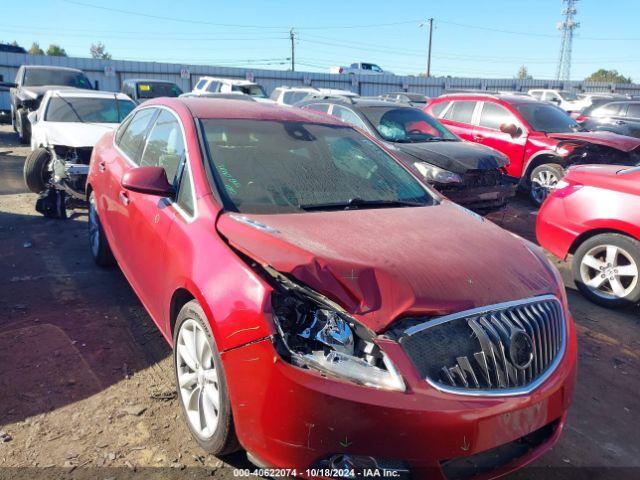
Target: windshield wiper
column 355, row 203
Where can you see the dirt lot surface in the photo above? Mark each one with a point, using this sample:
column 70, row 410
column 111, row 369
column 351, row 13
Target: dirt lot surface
column 87, row 382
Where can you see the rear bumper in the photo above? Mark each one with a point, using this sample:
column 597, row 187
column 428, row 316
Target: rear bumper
column 287, row 417
column 481, row 198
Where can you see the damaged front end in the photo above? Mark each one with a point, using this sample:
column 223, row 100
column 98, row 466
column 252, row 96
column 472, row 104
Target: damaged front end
column 316, row 333
column 67, row 172
column 589, row 153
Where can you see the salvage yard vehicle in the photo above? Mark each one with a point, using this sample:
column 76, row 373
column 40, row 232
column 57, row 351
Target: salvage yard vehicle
column 141, row 89
column 316, row 294
column 471, row 175
column 32, row 81
column 360, row 68
column 567, row 101
column 292, row 95
column 594, row 214
column 414, row 99
column 540, row 139
column 617, row 116
column 231, row 85
column 64, row 130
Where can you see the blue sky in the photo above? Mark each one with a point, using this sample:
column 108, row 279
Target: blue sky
column 471, row 38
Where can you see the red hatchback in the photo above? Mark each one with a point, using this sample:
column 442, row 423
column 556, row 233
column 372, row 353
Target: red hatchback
column 329, row 313
column 594, row 214
column 540, row 139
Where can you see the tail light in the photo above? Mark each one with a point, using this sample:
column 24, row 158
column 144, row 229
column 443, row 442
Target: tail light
column 581, row 118
column 565, row 188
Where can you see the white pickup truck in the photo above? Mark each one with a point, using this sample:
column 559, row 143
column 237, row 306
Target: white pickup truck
column 360, row 68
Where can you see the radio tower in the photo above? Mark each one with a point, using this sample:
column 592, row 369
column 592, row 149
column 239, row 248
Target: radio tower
column 566, row 26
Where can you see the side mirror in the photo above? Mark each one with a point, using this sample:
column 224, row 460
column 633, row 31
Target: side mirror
column 511, row 129
column 148, row 180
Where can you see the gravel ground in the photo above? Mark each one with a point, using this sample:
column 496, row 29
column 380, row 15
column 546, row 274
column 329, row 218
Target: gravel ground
column 86, row 389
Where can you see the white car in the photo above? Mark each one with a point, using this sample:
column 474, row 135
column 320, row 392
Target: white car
column 568, row 101
column 291, row 95
column 64, row 130
column 208, row 85
column 360, row 68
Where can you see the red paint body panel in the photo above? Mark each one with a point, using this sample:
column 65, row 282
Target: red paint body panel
column 378, row 264
column 523, row 149
column 597, row 198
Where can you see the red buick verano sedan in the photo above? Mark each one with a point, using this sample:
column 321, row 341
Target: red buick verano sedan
column 329, row 313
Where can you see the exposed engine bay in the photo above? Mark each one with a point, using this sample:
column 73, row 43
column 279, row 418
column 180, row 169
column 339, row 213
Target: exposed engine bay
column 66, row 172
column 598, row 154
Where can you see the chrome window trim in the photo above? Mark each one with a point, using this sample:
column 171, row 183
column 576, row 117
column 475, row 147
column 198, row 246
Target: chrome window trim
column 188, row 218
column 510, row 392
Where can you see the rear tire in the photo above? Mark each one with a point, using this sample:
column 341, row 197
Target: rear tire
column 23, row 126
column 543, row 180
column 606, row 269
column 36, row 174
column 98, row 244
column 211, row 428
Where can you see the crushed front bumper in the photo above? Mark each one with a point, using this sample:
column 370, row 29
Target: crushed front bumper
column 287, row 417
column 481, row 197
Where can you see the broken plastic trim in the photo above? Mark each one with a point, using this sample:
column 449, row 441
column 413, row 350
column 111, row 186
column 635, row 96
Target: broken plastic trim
column 319, row 334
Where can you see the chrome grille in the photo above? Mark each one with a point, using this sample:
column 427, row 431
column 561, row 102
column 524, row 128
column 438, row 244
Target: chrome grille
column 499, row 348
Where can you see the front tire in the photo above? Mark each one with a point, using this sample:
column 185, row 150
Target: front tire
column 543, row 180
column 36, row 172
column 201, row 383
column 606, row 269
column 23, row 126
column 98, row 244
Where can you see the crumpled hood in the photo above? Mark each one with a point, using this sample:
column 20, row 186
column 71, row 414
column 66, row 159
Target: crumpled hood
column 72, row 134
column 457, row 157
column 381, row 264
column 609, row 139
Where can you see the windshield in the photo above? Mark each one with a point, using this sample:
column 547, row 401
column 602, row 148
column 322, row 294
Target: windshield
column 37, row 77
column 90, row 110
column 278, row 167
column 547, row 118
column 406, row 125
column 568, row 96
column 158, row 89
column 253, row 90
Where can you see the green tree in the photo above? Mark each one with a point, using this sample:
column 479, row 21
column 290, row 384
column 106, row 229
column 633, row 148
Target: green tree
column 608, row 76
column 523, row 73
column 35, row 49
column 98, row 50
column 56, row 51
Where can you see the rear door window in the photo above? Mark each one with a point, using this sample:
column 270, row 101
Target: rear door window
column 438, row 108
column 610, row 110
column 461, row 111
column 132, row 138
column 165, row 145
column 634, row 110
column 494, row 115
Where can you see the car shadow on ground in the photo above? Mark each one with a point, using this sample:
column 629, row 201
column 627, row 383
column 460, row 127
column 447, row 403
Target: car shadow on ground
column 70, row 329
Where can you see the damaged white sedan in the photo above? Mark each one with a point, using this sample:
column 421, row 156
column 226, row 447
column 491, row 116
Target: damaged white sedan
column 64, row 130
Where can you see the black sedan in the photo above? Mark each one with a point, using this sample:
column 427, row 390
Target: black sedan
column 467, row 173
column 612, row 115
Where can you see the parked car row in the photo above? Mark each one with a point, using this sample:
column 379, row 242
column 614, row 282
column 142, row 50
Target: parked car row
column 296, row 258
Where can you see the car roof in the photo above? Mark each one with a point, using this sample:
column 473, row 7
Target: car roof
column 84, row 93
column 233, row 81
column 512, row 99
column 357, row 102
column 148, row 80
column 222, row 108
column 49, row 67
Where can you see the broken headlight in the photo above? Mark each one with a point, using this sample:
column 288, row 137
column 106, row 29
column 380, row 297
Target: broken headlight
column 316, row 333
column 433, row 174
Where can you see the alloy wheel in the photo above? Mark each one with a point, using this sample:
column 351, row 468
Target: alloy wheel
column 609, row 271
column 542, row 184
column 197, row 379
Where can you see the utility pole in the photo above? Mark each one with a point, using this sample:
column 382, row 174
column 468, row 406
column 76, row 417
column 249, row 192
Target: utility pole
column 430, row 23
column 292, row 36
column 566, row 26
